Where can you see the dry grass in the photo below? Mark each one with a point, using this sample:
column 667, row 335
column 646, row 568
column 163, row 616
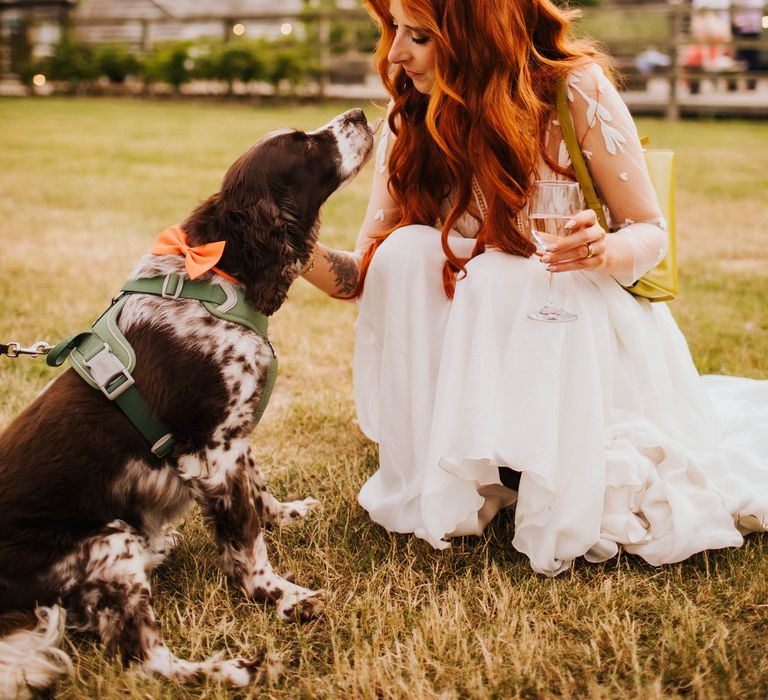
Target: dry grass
column 87, row 185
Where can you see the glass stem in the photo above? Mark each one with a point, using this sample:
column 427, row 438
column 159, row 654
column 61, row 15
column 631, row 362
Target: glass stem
column 551, row 302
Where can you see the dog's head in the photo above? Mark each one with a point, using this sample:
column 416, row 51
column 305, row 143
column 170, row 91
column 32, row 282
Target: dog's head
column 268, row 206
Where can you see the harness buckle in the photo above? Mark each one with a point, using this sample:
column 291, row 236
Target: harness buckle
column 230, row 296
column 106, row 369
column 178, row 285
column 163, row 446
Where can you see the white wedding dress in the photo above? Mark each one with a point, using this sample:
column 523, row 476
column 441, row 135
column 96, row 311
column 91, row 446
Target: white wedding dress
column 620, row 443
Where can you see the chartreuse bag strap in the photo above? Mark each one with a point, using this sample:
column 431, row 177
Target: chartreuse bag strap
column 105, row 359
column 577, row 159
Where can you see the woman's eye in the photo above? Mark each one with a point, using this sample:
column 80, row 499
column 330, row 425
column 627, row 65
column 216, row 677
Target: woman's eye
column 415, row 38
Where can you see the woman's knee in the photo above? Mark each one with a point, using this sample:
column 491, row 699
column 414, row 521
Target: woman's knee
column 408, row 238
column 408, row 245
column 493, row 268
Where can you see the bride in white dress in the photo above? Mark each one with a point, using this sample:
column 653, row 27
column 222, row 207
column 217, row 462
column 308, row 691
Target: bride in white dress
column 611, row 439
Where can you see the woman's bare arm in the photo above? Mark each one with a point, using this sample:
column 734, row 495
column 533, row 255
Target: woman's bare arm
column 334, row 271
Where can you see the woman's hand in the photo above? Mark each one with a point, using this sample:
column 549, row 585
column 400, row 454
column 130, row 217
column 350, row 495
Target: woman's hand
column 584, row 248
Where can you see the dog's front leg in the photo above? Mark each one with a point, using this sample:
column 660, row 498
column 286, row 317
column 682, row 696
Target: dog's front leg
column 276, row 512
column 234, row 510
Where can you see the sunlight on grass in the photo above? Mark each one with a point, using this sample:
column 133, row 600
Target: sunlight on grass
column 88, row 184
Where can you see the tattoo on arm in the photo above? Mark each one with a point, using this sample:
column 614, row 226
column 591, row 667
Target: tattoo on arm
column 344, row 267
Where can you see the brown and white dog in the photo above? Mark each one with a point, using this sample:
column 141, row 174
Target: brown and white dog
column 85, row 506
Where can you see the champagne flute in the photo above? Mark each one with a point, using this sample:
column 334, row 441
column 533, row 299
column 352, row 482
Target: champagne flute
column 551, row 204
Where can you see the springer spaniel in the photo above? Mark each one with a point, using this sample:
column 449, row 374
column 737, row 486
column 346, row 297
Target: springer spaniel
column 85, row 507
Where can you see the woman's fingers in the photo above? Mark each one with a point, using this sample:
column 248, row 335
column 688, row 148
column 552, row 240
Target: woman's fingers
column 583, row 248
column 586, row 217
column 574, row 246
column 593, row 262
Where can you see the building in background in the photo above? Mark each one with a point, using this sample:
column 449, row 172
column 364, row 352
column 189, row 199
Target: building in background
column 140, row 23
column 30, row 28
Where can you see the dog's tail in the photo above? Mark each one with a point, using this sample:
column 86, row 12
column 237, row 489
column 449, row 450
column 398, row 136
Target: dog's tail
column 29, row 653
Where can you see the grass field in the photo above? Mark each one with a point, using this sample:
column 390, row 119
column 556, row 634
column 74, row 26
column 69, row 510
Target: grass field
column 85, row 186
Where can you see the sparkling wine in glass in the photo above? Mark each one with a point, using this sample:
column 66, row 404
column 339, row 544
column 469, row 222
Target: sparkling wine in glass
column 551, row 204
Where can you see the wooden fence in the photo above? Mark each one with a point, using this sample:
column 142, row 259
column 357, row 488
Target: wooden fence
column 662, row 33
column 707, row 71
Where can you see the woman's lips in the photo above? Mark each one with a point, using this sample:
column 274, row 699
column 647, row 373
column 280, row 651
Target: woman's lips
column 412, row 75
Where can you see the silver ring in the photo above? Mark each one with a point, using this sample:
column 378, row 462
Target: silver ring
column 590, row 252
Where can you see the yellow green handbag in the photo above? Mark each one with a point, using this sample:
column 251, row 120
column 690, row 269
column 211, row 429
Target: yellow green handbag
column 659, row 283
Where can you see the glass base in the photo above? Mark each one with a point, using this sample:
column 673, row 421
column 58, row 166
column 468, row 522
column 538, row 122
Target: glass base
column 553, row 316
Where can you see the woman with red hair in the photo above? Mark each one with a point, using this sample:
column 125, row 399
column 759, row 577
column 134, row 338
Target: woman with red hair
column 599, row 430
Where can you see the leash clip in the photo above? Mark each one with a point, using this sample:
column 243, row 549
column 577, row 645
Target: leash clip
column 14, row 349
column 105, row 368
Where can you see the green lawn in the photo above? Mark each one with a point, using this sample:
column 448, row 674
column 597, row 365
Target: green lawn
column 85, row 187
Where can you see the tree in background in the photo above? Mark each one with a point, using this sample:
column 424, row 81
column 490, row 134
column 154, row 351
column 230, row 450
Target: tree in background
column 72, row 63
column 117, row 62
column 169, row 63
column 241, row 60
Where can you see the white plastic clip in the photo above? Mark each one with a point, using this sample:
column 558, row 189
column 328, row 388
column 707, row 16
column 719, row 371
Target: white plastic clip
column 104, row 368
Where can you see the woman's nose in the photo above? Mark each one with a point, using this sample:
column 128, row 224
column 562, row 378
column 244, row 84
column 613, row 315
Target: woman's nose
column 397, row 53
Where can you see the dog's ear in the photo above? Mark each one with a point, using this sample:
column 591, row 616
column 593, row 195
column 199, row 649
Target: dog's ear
column 266, row 244
column 262, row 236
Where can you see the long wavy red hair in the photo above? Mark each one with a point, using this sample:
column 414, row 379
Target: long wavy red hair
column 497, row 66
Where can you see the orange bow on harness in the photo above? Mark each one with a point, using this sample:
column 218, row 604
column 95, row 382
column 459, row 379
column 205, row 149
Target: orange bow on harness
column 197, row 259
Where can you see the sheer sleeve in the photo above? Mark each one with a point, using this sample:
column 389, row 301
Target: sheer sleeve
column 614, row 156
column 382, row 212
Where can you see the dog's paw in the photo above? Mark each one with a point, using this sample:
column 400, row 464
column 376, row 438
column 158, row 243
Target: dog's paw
column 164, row 541
column 293, row 511
column 237, row 672
column 242, row 673
column 302, row 605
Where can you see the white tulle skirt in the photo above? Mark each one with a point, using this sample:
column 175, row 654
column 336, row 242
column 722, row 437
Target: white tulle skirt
column 620, row 443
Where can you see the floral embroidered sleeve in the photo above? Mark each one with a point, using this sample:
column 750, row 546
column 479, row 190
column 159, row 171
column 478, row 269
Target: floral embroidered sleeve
column 613, row 154
column 382, row 212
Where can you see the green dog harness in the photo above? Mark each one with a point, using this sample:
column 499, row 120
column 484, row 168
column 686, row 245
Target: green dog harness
column 105, row 359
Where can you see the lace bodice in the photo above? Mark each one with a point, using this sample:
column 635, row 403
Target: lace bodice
column 613, row 153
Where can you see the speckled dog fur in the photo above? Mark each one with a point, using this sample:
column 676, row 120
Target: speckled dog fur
column 86, row 510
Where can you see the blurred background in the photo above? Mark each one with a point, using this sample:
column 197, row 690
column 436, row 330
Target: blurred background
column 686, row 57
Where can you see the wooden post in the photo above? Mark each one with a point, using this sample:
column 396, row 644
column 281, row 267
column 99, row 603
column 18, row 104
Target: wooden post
column 146, row 36
column 65, row 25
column 5, row 57
column 676, row 10
column 324, row 52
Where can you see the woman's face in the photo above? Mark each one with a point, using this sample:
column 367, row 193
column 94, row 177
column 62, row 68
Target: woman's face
column 413, row 49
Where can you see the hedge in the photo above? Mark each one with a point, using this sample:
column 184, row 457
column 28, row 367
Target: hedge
column 76, row 67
